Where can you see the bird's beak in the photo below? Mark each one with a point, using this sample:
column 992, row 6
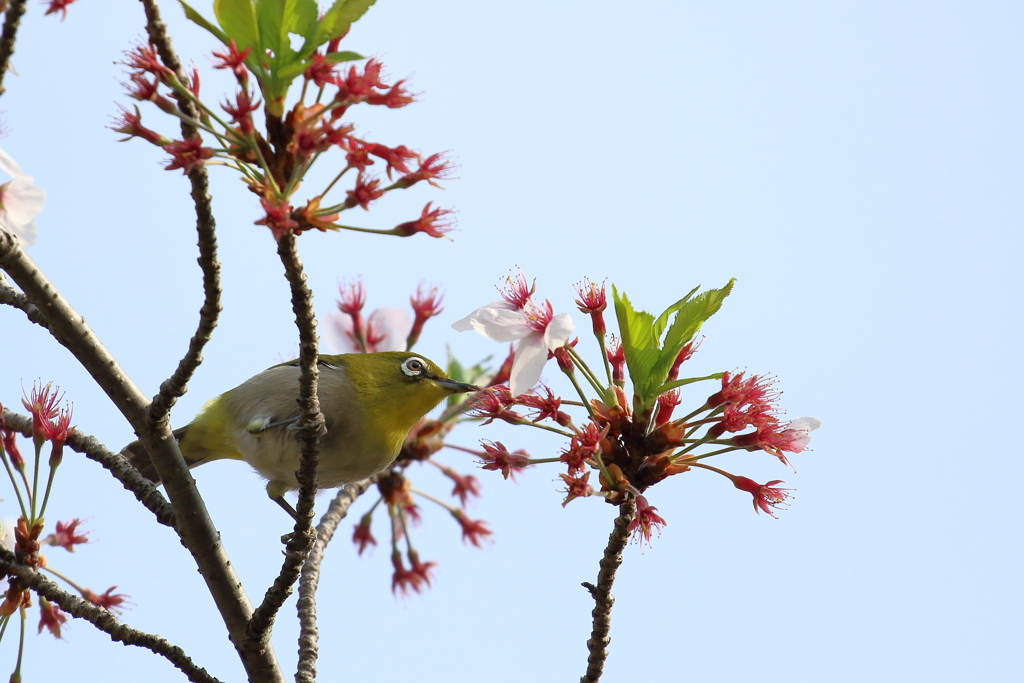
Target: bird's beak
column 457, row 387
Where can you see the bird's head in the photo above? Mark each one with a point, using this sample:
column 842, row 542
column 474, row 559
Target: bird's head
column 398, row 386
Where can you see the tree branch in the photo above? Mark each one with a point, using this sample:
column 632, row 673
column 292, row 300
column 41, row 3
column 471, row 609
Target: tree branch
column 602, row 593
column 15, row 299
column 310, row 429
column 174, row 387
column 11, row 20
column 194, row 527
column 144, row 491
column 306, row 606
column 101, row 618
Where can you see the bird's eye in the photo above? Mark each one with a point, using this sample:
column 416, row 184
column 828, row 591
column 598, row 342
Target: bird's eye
column 413, row 367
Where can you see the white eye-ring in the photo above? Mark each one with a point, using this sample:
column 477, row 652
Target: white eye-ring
column 414, row 366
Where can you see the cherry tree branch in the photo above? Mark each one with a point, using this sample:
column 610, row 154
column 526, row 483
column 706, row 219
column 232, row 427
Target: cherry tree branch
column 310, row 579
column 174, row 387
column 11, row 20
column 602, row 593
column 100, row 618
column 90, row 447
column 15, row 299
column 194, row 526
column 310, row 429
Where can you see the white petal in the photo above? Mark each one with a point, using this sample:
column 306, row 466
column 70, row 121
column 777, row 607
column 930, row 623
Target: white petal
column 808, row 424
column 9, row 166
column 531, row 355
column 558, row 331
column 498, row 322
column 20, row 202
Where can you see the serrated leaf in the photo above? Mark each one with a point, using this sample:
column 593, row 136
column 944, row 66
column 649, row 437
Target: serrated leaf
column 237, row 18
column 648, row 357
column 688, row 319
column 345, row 56
column 659, row 324
column 285, row 74
column 635, row 331
column 336, row 20
column 675, row 384
column 278, row 20
column 197, row 18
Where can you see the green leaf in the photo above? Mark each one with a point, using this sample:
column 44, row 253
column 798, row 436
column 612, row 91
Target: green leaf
column 689, row 317
column 338, row 57
column 636, row 329
column 648, row 357
column 669, row 386
column 341, row 15
column 199, row 19
column 238, row 20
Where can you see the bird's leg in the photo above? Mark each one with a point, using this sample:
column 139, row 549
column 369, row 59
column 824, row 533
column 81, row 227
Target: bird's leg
column 286, row 505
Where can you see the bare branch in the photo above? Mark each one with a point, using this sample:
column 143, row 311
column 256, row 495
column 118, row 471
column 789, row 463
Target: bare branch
column 100, row 618
column 11, row 20
column 194, row 527
column 308, row 634
column 174, row 387
column 602, row 593
column 144, row 491
column 14, row 298
column 310, row 429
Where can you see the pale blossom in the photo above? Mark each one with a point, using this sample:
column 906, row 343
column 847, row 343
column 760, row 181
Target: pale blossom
column 798, row 433
column 387, row 329
column 533, row 326
column 20, row 201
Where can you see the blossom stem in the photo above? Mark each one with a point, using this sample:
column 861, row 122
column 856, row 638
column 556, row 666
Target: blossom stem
column 17, row 489
column 35, row 479
column 49, row 485
column 392, row 231
column 579, row 390
column 65, row 580
column 333, row 183
column 432, row 499
column 695, row 458
column 464, row 449
column 21, row 645
column 547, row 427
column 607, row 365
column 695, row 413
column 578, row 360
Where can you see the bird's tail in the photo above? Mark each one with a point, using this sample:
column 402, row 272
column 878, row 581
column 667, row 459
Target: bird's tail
column 137, row 456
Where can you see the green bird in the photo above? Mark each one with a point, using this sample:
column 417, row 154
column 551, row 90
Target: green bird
column 370, row 401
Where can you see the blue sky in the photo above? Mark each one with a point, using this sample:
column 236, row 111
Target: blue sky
column 855, row 165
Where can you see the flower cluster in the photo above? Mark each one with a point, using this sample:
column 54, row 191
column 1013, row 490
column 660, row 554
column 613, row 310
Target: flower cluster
column 630, row 442
column 274, row 160
column 390, row 329
column 51, row 424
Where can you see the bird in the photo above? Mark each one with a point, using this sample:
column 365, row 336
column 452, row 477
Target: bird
column 369, row 401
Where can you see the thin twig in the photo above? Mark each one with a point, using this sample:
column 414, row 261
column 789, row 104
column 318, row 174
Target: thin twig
column 14, row 298
column 194, row 526
column 90, row 447
column 602, row 593
column 174, row 387
column 310, row 429
column 11, row 21
column 310, row 579
column 101, row 618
